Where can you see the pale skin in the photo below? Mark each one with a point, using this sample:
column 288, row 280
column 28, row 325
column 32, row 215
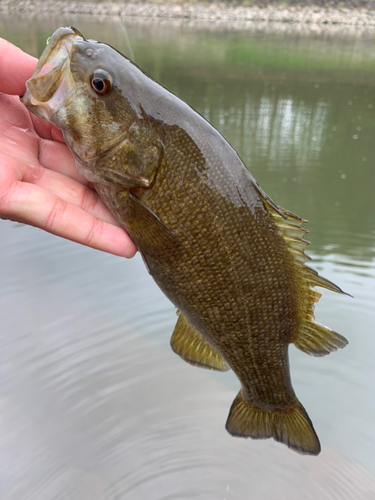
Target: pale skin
column 39, row 184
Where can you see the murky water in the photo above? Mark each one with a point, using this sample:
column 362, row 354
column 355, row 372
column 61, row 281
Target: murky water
column 93, row 403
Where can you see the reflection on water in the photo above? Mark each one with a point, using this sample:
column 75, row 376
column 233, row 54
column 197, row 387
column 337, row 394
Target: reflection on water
column 93, row 403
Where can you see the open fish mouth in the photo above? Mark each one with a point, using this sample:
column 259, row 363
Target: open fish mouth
column 47, row 88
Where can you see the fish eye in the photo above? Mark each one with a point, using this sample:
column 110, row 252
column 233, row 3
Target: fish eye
column 101, row 82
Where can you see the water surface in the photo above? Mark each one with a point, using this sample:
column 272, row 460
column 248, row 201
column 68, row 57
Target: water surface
column 93, row 403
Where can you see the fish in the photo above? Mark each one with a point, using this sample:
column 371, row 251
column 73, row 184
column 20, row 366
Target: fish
column 230, row 259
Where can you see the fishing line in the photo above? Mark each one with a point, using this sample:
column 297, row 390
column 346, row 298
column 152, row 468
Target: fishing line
column 127, row 40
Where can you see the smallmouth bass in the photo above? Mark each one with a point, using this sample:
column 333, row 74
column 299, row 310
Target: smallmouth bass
column 221, row 250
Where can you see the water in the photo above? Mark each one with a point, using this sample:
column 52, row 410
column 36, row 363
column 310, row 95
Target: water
column 94, row 405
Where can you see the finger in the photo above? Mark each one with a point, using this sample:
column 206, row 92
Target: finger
column 63, row 219
column 15, row 68
column 31, row 204
column 63, row 187
column 71, row 191
column 57, row 157
column 46, row 130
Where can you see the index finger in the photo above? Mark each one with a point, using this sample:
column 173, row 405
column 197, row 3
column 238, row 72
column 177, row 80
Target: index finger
column 15, row 68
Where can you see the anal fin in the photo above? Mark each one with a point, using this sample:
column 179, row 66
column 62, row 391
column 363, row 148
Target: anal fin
column 190, row 344
column 291, row 426
column 318, row 340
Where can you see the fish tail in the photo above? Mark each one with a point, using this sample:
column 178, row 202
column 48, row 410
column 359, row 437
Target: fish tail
column 291, row 426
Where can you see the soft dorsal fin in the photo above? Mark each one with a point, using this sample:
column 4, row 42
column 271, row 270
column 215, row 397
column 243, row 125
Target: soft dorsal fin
column 190, row 344
column 312, row 338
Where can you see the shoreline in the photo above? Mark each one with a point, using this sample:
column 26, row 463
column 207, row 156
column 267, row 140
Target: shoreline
column 272, row 13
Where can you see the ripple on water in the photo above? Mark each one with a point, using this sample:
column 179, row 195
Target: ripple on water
column 99, row 407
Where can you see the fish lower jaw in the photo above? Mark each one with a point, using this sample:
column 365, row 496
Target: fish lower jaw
column 50, row 111
column 42, row 110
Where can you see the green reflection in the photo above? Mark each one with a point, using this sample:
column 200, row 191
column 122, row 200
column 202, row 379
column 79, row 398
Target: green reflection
column 298, row 108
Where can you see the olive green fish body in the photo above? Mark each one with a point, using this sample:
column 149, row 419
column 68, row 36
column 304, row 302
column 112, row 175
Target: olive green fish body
column 228, row 257
column 231, row 260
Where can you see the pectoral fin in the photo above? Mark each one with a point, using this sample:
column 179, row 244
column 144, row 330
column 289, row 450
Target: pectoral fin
column 190, row 344
column 150, row 234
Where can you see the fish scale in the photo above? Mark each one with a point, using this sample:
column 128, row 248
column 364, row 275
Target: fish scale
column 234, row 290
column 222, row 251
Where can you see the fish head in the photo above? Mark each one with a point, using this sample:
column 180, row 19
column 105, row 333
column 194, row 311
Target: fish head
column 91, row 92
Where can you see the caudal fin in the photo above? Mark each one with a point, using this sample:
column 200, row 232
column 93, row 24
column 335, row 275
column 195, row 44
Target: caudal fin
column 292, row 426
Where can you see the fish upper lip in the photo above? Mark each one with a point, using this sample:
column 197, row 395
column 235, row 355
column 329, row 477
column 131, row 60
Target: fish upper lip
column 60, row 36
column 53, row 59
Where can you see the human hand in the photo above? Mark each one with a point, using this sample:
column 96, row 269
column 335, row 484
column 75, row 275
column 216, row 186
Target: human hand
column 39, row 184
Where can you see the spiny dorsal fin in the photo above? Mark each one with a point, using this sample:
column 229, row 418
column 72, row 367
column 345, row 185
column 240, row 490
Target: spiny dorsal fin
column 311, row 338
column 190, row 344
